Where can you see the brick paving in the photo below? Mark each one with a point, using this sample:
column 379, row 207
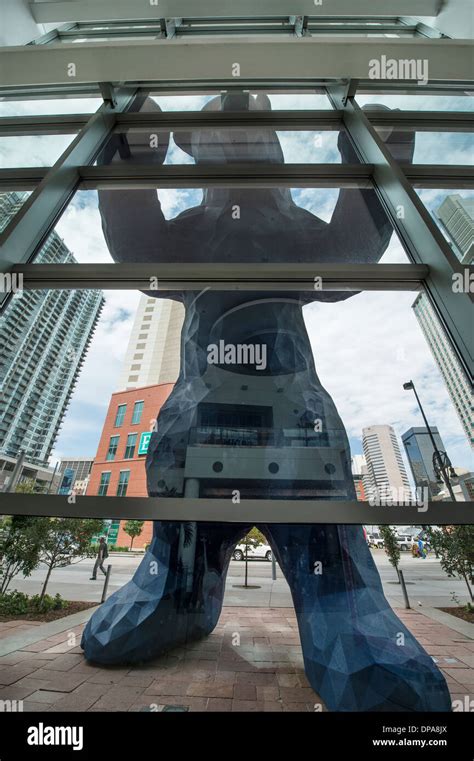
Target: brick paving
column 251, row 662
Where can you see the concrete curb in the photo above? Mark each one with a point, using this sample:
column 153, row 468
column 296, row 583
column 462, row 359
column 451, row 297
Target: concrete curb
column 37, row 633
column 456, row 624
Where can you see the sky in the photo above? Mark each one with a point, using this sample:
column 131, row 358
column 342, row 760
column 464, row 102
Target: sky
column 365, row 348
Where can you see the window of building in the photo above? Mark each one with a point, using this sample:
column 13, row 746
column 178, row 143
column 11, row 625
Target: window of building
column 104, row 483
column 135, row 367
column 138, row 356
column 130, row 446
column 123, row 483
column 112, row 450
column 137, row 412
column 132, row 378
column 120, row 416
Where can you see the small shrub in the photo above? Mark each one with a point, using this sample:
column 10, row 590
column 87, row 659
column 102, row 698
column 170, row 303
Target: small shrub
column 46, row 604
column 19, row 604
column 14, row 603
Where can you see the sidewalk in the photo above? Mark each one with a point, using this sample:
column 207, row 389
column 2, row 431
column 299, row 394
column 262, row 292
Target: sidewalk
column 262, row 673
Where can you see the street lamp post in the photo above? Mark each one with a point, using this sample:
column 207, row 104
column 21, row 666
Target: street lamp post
column 441, row 462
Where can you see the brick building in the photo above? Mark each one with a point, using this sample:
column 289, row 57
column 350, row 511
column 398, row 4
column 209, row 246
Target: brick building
column 119, row 465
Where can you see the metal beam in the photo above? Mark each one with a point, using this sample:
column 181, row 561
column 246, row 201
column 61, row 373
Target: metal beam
column 303, row 60
column 222, row 276
column 440, row 176
column 225, row 175
column 238, row 176
column 95, row 10
column 324, row 119
column 247, row 511
column 418, row 232
column 269, row 85
column 62, row 124
column 19, row 179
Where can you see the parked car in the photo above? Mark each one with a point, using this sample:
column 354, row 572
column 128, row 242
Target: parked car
column 405, row 542
column 375, row 540
column 263, row 551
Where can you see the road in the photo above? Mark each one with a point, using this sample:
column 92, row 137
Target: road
column 426, row 582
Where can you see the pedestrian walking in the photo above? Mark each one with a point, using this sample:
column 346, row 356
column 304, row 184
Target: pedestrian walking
column 102, row 554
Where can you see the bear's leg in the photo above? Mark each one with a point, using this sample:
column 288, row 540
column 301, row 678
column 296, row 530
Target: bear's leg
column 358, row 655
column 174, row 597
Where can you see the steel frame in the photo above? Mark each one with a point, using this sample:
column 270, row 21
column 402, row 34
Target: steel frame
column 117, row 10
column 304, row 64
column 247, row 511
column 261, row 57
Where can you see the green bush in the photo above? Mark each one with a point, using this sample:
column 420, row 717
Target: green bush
column 14, row 603
column 48, row 603
column 18, row 603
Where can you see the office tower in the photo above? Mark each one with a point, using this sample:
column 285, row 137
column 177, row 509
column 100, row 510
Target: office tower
column 153, row 352
column 386, row 474
column 74, row 474
column 456, row 215
column 10, row 203
column 119, row 465
column 44, row 336
column 457, row 383
column 419, row 450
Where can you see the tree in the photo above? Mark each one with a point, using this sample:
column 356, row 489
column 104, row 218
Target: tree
column 454, row 545
column 28, row 486
column 20, row 544
column 392, row 549
column 66, row 540
column 133, row 529
column 254, row 538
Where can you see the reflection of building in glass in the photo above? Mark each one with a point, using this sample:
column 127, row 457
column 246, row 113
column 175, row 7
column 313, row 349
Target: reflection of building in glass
column 74, row 475
column 44, row 335
column 153, row 352
column 456, row 215
column 10, row 204
column 419, row 449
column 119, row 465
column 457, row 219
column 386, row 474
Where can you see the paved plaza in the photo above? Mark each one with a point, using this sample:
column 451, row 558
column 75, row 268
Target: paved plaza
column 251, row 662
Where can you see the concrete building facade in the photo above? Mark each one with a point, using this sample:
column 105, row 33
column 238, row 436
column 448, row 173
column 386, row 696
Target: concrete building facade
column 386, row 474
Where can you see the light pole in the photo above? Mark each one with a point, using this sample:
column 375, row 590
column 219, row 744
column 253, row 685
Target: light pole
column 441, row 462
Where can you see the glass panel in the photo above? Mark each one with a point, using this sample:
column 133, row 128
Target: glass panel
column 324, row 390
column 420, row 101
column 453, row 212
column 244, row 145
column 445, row 148
column 32, row 150
column 281, row 100
column 316, row 225
column 38, row 106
